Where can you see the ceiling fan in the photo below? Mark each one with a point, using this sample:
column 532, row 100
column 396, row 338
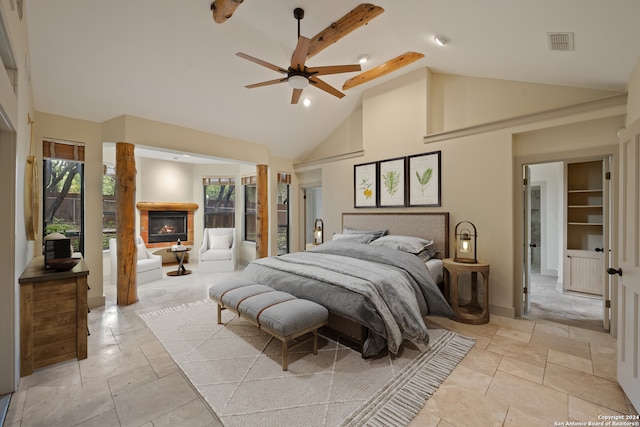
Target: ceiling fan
column 298, row 75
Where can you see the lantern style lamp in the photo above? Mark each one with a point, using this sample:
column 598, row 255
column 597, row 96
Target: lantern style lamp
column 318, row 232
column 466, row 236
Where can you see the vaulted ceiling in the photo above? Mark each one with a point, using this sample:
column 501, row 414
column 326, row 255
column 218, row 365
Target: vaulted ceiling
column 167, row 60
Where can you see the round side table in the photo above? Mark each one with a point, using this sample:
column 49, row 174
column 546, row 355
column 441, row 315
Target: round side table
column 474, row 312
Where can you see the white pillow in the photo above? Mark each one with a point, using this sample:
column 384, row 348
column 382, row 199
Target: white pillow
column 219, row 241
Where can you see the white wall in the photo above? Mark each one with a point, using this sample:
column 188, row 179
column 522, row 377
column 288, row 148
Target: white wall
column 462, row 101
column 633, row 89
column 16, row 104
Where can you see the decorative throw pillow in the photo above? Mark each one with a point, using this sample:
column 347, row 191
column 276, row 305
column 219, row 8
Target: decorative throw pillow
column 413, row 245
column 376, row 233
column 356, row 238
column 427, row 254
column 219, row 241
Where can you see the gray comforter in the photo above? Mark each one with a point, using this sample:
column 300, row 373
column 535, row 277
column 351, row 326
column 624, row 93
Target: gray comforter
column 387, row 290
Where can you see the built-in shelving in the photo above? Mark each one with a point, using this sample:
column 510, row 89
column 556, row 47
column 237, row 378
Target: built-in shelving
column 584, row 227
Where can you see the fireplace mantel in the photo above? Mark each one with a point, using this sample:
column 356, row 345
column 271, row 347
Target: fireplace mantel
column 145, row 207
column 166, row 206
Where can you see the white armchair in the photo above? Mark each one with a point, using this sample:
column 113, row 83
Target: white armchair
column 218, row 250
column 148, row 265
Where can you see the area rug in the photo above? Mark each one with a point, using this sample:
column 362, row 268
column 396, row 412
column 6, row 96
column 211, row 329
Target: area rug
column 237, row 369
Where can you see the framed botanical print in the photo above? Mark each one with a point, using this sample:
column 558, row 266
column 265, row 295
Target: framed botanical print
column 365, row 185
column 423, row 172
column 391, row 178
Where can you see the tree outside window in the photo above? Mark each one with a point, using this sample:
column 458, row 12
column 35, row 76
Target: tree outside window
column 63, row 209
column 108, row 205
column 219, row 202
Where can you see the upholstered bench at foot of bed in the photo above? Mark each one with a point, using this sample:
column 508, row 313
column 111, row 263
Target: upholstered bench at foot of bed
column 280, row 314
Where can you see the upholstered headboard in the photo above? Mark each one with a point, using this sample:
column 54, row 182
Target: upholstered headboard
column 428, row 225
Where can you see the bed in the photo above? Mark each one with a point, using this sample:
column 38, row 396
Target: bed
column 376, row 296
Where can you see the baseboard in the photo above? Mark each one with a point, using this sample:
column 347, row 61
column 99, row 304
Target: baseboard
column 98, row 301
column 502, row 311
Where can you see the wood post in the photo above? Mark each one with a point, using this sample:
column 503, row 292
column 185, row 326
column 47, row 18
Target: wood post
column 262, row 212
column 125, row 223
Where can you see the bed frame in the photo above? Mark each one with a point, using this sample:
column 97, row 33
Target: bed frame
column 428, row 225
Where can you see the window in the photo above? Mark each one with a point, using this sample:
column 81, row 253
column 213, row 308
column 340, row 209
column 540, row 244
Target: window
column 250, row 204
column 63, row 195
column 108, row 204
column 219, row 202
column 284, row 180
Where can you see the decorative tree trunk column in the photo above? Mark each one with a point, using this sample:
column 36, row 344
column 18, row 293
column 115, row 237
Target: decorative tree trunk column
column 262, row 212
column 125, row 223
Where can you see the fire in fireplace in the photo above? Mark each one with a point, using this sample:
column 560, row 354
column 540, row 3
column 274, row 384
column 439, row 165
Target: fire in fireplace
column 167, row 226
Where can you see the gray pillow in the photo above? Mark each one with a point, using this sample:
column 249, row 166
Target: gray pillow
column 376, row 233
column 413, row 245
column 356, row 238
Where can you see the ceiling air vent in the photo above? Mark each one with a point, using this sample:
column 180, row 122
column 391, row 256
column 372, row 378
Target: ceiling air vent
column 560, row 41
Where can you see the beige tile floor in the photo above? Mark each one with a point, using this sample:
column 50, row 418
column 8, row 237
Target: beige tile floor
column 520, row 372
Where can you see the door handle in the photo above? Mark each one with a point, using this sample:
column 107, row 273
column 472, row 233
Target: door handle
column 533, row 245
column 613, row 271
column 599, row 249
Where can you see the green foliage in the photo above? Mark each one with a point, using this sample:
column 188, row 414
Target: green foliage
column 108, row 185
column 59, row 225
column 424, row 178
column 391, row 181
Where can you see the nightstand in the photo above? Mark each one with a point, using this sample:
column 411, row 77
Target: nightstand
column 474, row 312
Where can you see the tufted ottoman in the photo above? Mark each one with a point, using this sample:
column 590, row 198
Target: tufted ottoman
column 280, row 314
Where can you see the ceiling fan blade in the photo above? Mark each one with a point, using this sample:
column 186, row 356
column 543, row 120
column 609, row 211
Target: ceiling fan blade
column 295, row 97
column 382, row 69
column 267, row 83
column 334, row 69
column 326, row 87
column 359, row 16
column 261, row 62
column 223, row 9
column 300, row 54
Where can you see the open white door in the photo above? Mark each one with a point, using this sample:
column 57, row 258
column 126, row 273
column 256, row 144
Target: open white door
column 606, row 238
column 526, row 226
column 628, row 272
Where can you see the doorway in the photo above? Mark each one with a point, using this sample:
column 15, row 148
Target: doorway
column 549, row 298
column 312, row 211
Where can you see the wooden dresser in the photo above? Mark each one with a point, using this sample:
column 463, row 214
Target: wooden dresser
column 53, row 315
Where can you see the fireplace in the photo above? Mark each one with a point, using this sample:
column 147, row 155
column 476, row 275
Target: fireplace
column 168, row 226
column 147, row 209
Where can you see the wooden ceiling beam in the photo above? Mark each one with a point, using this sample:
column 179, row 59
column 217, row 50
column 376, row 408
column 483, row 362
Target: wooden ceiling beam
column 382, row 69
column 358, row 17
column 223, row 9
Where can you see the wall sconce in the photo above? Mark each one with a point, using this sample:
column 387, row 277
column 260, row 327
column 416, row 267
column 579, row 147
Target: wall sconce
column 318, row 232
column 466, row 243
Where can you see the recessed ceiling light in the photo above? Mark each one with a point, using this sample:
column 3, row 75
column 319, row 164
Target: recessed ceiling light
column 306, row 102
column 442, row 40
column 363, row 58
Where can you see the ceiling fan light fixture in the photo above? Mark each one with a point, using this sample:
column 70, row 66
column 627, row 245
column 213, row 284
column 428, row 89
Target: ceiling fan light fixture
column 442, row 40
column 364, row 58
column 298, row 81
